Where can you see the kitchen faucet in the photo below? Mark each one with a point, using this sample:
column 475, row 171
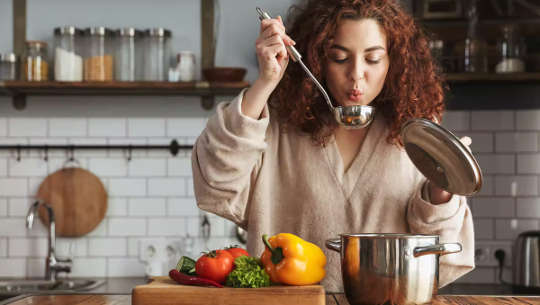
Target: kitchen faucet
column 53, row 264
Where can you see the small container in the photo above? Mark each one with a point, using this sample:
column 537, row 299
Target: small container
column 127, row 67
column 184, row 70
column 510, row 51
column 35, row 66
column 9, row 66
column 185, row 65
column 98, row 57
column 68, row 61
column 156, row 54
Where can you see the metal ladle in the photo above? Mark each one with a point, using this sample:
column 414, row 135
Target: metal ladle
column 353, row 117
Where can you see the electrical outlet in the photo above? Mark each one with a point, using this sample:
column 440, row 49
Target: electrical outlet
column 152, row 249
column 485, row 253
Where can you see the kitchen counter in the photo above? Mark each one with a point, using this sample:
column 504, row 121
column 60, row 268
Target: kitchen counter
column 331, row 299
column 118, row 291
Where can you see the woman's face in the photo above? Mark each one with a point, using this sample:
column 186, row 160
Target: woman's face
column 357, row 62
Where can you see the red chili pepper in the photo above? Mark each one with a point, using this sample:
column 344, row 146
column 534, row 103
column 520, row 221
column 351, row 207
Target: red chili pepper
column 185, row 279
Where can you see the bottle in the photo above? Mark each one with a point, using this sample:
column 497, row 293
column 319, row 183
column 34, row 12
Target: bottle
column 99, row 59
column 510, row 50
column 68, row 63
column 475, row 48
column 9, row 66
column 35, row 66
column 156, row 54
column 126, row 64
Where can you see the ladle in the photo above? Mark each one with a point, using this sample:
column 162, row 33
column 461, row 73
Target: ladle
column 353, row 117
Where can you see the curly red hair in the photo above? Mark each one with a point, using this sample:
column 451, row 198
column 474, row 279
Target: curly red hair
column 413, row 87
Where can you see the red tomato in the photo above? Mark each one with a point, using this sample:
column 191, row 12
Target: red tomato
column 215, row 265
column 236, row 251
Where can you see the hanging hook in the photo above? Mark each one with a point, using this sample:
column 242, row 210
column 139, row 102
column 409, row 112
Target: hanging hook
column 71, row 157
column 71, row 153
column 46, row 153
column 129, row 153
column 18, row 153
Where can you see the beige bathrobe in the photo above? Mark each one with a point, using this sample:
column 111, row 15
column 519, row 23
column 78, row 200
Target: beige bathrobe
column 268, row 182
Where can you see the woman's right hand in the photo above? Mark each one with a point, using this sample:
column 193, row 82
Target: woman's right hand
column 271, row 52
column 273, row 58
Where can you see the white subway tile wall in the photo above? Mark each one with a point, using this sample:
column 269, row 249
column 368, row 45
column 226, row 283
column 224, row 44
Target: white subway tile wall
column 151, row 197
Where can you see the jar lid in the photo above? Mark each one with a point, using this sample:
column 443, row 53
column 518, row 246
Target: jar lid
column 8, row 57
column 130, row 32
column 98, row 31
column 160, row 32
column 441, row 157
column 67, row 30
column 37, row 44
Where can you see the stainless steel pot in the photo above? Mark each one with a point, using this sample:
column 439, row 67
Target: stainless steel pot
column 390, row 268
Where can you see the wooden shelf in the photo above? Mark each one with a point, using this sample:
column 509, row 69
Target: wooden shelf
column 463, row 22
column 121, row 88
column 18, row 90
column 493, row 78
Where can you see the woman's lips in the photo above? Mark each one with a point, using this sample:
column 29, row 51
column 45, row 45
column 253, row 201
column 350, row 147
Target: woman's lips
column 355, row 95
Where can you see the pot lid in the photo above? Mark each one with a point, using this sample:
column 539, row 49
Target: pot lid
column 441, row 157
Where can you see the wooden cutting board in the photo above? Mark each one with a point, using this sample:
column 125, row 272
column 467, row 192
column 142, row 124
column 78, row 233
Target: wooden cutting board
column 163, row 290
column 78, row 198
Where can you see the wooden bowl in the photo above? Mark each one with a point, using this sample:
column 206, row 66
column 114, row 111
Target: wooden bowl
column 224, row 74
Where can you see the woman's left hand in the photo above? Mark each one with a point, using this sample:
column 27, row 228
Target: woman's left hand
column 437, row 194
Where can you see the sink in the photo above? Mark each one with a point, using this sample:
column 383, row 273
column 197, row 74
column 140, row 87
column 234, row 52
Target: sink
column 16, row 287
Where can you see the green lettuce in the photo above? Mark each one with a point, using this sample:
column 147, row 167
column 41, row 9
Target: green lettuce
column 247, row 273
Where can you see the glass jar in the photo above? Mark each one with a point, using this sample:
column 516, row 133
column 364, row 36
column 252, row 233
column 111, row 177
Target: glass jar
column 35, row 63
column 68, row 62
column 98, row 57
column 156, row 54
column 510, row 50
column 127, row 42
column 9, row 66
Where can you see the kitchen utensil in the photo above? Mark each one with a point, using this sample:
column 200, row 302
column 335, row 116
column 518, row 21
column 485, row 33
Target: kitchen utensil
column 241, row 235
column 390, row 268
column 441, row 157
column 353, row 117
column 163, row 290
column 526, row 264
column 205, row 230
column 78, row 198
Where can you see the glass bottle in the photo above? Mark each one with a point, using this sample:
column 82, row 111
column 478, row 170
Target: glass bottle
column 98, row 60
column 127, row 46
column 35, row 65
column 510, row 50
column 68, row 62
column 156, row 54
column 475, row 48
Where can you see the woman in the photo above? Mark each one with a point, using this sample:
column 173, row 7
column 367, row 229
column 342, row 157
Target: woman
column 274, row 160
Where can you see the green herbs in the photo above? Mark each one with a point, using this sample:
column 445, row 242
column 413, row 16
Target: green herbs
column 247, row 273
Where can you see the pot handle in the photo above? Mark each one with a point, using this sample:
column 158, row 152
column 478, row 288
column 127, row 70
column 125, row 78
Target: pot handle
column 334, row 244
column 441, row 249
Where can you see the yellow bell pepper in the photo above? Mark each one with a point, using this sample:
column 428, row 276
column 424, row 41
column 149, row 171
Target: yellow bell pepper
column 288, row 259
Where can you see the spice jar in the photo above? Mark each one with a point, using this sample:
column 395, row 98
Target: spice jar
column 68, row 62
column 9, row 66
column 98, row 58
column 35, row 65
column 156, row 54
column 127, row 67
column 510, row 51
